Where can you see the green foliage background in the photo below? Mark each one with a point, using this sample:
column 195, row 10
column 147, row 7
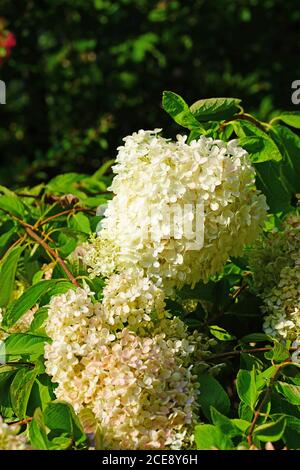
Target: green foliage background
column 84, row 73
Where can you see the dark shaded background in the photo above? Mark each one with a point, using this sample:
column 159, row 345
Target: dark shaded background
column 84, row 73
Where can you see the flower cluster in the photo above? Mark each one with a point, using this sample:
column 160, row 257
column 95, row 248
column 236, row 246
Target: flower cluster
column 275, row 263
column 141, row 388
column 166, row 195
column 10, row 439
column 178, row 213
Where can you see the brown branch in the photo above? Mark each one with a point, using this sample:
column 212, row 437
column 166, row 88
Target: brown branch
column 245, row 117
column 14, row 363
column 22, row 421
column 52, row 253
column 241, row 351
column 259, row 410
column 30, row 231
column 33, row 196
column 66, row 212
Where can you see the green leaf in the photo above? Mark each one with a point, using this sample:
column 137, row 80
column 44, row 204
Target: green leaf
column 6, row 372
column 38, row 320
column 5, row 239
column 20, row 390
column 226, row 425
column 80, row 222
column 103, row 169
column 259, row 149
column 262, row 145
column 248, row 361
column 289, row 391
column 246, row 387
column 18, row 344
column 291, row 436
column 245, row 412
column 40, row 439
column 270, row 432
column 60, row 443
column 278, row 353
column 212, row 394
column 241, row 424
column 59, row 287
column 26, row 301
column 66, row 184
column 215, row 109
column 11, row 203
column 59, row 416
column 255, row 338
column 291, row 118
column 178, row 109
column 67, row 241
column 289, row 144
column 37, row 432
column 220, row 333
column 42, row 393
column 271, row 181
column 8, row 273
column 209, row 437
column 263, row 378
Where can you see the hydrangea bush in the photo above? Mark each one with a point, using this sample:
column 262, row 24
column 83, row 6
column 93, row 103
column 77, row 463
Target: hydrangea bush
column 157, row 306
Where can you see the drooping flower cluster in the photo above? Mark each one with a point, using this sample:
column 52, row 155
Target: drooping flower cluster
column 140, row 387
column 10, row 439
column 275, row 263
column 179, row 210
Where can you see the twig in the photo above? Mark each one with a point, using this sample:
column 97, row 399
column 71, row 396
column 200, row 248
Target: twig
column 241, row 351
column 52, row 253
column 33, row 196
column 14, row 363
column 262, row 403
column 16, row 243
column 245, row 117
column 22, row 421
column 30, row 231
column 60, row 214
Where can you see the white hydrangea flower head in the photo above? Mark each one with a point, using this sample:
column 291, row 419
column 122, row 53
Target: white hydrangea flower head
column 275, row 263
column 10, row 439
column 141, row 387
column 156, row 177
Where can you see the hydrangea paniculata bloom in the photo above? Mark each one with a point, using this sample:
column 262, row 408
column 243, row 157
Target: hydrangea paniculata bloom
column 156, row 177
column 275, row 263
column 140, row 387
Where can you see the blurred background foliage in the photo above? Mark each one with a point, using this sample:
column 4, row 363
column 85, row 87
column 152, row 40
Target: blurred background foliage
column 85, row 73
